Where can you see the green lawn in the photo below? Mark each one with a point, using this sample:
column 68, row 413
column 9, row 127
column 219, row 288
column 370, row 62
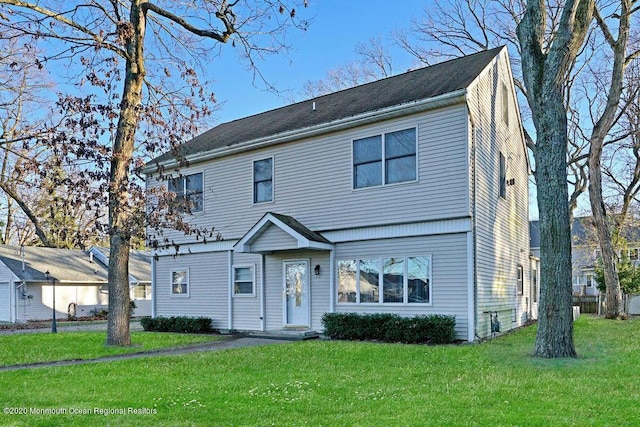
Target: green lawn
column 343, row 384
column 46, row 347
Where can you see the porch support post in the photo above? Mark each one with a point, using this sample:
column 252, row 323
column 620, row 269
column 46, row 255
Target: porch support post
column 153, row 285
column 332, row 281
column 263, row 288
column 230, row 296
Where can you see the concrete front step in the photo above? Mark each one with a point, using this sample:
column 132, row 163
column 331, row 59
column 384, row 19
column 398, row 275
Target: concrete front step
column 286, row 334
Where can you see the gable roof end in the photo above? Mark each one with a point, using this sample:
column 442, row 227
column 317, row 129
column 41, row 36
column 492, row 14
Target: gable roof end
column 305, row 238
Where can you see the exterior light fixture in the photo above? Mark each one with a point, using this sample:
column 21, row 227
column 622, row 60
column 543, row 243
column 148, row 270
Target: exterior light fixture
column 316, row 270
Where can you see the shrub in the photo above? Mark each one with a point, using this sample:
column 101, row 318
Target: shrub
column 191, row 325
column 387, row 327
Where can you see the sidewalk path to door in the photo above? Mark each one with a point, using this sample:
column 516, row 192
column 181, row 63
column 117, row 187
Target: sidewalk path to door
column 228, row 342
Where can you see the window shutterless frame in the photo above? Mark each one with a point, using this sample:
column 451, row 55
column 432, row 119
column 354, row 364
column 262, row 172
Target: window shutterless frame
column 403, row 280
column 188, row 187
column 244, row 280
column 262, row 180
column 180, row 284
column 385, row 159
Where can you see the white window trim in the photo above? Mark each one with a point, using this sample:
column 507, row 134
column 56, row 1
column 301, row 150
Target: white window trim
column 253, row 280
column 273, row 180
column 204, row 185
column 506, row 114
column 405, row 284
column 520, row 280
column 384, row 163
column 147, row 292
column 173, row 294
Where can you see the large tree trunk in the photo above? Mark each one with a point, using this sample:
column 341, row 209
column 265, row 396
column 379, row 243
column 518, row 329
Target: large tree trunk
column 545, row 67
column 615, row 307
column 555, row 320
column 119, row 228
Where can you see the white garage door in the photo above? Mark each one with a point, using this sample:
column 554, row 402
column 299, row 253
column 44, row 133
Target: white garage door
column 5, row 303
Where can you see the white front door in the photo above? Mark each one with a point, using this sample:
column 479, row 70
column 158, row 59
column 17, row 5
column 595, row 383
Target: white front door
column 296, row 293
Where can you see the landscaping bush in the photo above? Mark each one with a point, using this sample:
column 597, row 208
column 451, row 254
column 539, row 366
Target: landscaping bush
column 429, row 329
column 191, row 325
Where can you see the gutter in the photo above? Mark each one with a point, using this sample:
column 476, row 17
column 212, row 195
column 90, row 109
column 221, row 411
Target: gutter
column 443, row 100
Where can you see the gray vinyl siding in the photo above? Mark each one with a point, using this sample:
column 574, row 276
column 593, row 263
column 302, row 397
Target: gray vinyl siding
column 208, row 282
column 501, row 224
column 88, row 298
column 449, row 274
column 313, row 180
column 246, row 309
column 273, row 238
column 5, row 302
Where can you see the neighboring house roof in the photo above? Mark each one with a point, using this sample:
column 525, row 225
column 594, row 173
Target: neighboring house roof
column 70, row 265
column 582, row 233
column 64, row 265
column 139, row 263
column 422, row 84
column 534, row 234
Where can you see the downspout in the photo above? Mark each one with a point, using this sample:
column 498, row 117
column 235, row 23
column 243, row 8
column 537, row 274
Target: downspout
column 472, row 242
column 263, row 281
column 230, row 296
column 153, row 285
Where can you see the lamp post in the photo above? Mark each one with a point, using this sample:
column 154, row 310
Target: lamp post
column 54, row 326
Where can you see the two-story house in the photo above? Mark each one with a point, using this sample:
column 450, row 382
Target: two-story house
column 406, row 195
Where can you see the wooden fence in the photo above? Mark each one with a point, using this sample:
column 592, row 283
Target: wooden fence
column 588, row 303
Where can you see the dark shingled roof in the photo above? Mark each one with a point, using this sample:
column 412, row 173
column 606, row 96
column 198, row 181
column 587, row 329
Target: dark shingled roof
column 299, row 228
column 417, row 85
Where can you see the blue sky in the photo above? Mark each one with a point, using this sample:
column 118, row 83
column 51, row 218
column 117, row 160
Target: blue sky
column 338, row 25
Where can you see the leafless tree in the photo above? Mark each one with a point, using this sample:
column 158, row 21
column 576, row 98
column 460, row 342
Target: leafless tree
column 127, row 53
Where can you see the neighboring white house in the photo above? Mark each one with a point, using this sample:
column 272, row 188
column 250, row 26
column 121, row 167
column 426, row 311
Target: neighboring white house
column 79, row 277
column 406, row 195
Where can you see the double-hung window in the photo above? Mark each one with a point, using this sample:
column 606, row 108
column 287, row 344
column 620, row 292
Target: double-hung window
column 243, row 281
column 385, row 159
column 520, row 280
column 263, row 180
column 180, row 282
column 189, row 193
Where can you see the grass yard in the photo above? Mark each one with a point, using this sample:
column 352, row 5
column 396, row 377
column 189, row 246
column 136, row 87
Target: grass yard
column 345, row 383
column 46, row 347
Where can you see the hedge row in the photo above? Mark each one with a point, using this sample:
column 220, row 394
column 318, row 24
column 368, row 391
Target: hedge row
column 191, row 325
column 430, row 329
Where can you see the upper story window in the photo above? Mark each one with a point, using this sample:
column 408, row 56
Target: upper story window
column 385, row 159
column 505, row 103
column 189, row 193
column 263, row 180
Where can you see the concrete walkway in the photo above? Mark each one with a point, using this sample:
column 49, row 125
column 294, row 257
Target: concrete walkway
column 228, row 342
